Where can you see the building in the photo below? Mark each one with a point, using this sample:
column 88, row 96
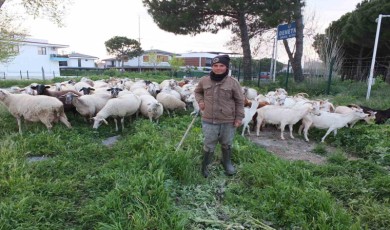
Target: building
column 149, row 60
column 36, row 59
column 77, row 61
column 198, row 60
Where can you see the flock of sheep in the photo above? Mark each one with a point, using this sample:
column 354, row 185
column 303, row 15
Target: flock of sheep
column 121, row 98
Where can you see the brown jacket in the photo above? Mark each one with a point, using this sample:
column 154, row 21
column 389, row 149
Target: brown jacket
column 224, row 100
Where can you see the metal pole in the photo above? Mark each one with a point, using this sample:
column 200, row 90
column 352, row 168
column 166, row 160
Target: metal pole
column 378, row 28
column 272, row 58
column 21, row 75
column 276, row 54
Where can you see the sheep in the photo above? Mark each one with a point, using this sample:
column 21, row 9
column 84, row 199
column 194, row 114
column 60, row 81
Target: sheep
column 88, row 105
column 125, row 105
column 381, row 116
column 284, row 116
column 34, row 108
column 345, row 109
column 249, row 112
column 170, row 102
column 150, row 107
column 249, row 93
column 195, row 105
column 330, row 121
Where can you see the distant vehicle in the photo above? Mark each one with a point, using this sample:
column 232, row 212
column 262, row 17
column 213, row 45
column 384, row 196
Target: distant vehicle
column 265, row 75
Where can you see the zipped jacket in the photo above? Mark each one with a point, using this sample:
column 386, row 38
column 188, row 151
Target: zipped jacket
column 224, row 100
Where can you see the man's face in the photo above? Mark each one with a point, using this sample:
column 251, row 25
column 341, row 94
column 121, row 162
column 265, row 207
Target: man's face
column 219, row 68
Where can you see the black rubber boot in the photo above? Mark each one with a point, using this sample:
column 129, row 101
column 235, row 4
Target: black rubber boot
column 207, row 159
column 227, row 163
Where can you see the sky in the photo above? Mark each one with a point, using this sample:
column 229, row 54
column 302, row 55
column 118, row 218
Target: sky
column 89, row 23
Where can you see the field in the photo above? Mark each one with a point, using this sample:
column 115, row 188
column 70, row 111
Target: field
column 69, row 179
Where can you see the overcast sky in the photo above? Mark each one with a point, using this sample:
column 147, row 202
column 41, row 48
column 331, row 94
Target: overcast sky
column 89, row 23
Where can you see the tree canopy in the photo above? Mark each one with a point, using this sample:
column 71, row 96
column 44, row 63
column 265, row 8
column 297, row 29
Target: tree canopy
column 357, row 31
column 245, row 18
column 123, row 48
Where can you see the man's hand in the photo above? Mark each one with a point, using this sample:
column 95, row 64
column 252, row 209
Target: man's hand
column 237, row 123
column 201, row 106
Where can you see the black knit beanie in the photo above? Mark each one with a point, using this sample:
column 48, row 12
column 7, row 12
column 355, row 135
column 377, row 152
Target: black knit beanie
column 224, row 59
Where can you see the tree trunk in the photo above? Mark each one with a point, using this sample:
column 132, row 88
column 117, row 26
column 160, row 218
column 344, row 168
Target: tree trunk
column 296, row 58
column 1, row 3
column 247, row 59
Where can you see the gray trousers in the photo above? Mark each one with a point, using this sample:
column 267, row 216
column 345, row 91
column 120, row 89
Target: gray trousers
column 217, row 133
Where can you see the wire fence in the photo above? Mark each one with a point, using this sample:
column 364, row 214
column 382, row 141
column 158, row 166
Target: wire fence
column 27, row 75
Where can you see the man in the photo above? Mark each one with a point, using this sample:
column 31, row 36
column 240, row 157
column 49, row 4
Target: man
column 221, row 102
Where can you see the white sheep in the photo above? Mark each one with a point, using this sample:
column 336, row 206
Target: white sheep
column 150, row 107
column 170, row 102
column 345, row 110
column 330, row 121
column 123, row 106
column 283, row 116
column 249, row 93
column 249, row 113
column 89, row 105
column 34, row 108
column 195, row 105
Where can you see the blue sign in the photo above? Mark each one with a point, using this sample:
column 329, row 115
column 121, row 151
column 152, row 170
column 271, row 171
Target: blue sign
column 286, row 31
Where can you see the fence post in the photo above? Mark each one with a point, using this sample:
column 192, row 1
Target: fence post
column 28, row 76
column 4, row 75
column 21, row 77
column 43, row 74
column 54, row 75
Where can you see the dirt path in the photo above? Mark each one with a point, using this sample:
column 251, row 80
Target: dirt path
column 291, row 149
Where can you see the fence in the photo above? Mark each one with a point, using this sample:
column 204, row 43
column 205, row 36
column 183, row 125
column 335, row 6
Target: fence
column 27, row 75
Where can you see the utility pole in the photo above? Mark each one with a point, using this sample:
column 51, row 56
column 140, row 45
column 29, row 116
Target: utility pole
column 139, row 40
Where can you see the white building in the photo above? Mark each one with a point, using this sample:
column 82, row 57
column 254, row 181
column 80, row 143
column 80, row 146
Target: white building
column 142, row 62
column 78, row 61
column 37, row 59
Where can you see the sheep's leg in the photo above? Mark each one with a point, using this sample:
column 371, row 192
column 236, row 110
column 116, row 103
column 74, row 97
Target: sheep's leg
column 47, row 124
column 326, row 134
column 335, row 132
column 281, row 131
column 123, row 123
column 116, row 125
column 259, row 123
column 291, row 130
column 306, row 130
column 352, row 124
column 19, row 121
column 243, row 130
column 302, row 126
column 65, row 121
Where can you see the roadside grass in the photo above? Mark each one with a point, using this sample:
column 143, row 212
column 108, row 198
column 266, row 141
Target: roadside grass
column 142, row 182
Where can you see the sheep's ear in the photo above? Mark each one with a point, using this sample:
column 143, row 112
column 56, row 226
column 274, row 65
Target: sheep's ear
column 90, row 88
column 47, row 86
column 148, row 103
column 104, row 120
column 108, row 89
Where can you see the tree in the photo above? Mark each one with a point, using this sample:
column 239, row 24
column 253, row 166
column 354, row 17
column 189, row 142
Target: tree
column 123, row 48
column 11, row 34
column 245, row 18
column 356, row 32
column 175, row 64
column 154, row 60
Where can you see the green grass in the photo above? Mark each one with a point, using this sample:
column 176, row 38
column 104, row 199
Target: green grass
column 141, row 182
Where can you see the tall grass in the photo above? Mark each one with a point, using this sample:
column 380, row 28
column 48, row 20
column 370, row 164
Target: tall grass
column 142, row 182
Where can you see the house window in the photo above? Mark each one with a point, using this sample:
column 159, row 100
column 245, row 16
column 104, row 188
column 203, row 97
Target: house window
column 162, row 58
column 41, row 50
column 79, row 62
column 63, row 63
column 145, row 58
column 208, row 62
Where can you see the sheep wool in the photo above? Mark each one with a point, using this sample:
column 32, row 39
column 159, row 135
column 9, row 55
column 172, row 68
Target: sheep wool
column 150, row 107
column 120, row 107
column 34, row 108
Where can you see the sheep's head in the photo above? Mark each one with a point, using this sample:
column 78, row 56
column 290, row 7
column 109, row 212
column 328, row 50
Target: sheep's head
column 97, row 121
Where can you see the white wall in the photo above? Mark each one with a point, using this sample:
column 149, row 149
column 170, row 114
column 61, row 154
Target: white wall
column 85, row 63
column 29, row 61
